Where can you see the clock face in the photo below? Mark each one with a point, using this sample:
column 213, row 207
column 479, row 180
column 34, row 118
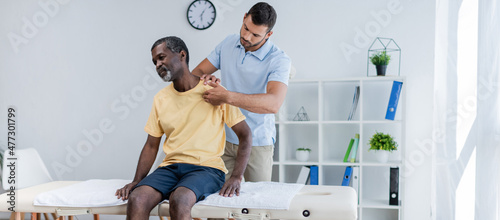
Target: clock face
column 201, row 14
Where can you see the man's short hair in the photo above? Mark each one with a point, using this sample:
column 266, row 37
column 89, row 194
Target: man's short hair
column 174, row 44
column 263, row 14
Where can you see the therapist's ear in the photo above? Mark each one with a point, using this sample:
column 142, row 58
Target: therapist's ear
column 268, row 35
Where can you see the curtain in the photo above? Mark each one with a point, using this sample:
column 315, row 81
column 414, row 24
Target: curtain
column 488, row 123
column 450, row 160
column 444, row 123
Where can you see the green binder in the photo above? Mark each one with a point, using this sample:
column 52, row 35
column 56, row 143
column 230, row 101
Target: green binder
column 348, row 150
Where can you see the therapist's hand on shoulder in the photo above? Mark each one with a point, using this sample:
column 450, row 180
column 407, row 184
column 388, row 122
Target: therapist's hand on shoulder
column 231, row 187
column 124, row 192
column 218, row 95
column 209, row 78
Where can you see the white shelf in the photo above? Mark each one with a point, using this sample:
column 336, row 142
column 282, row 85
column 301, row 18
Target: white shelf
column 329, row 163
column 370, row 78
column 383, row 122
column 388, row 164
column 298, row 122
column 327, row 104
column 378, row 204
column 291, row 162
column 340, row 122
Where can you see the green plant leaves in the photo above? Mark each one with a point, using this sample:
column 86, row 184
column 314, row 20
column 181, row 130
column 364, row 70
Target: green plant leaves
column 380, row 58
column 381, row 141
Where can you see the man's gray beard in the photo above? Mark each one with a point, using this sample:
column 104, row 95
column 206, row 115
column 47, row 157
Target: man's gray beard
column 167, row 76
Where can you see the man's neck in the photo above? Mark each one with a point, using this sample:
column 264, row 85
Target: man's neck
column 186, row 82
column 255, row 48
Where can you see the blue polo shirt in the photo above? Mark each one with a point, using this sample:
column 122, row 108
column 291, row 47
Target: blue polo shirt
column 249, row 73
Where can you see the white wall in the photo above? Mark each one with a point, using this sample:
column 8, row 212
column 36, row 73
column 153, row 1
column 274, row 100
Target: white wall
column 85, row 63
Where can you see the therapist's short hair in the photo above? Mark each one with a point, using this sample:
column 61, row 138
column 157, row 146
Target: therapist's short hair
column 263, row 14
column 174, row 44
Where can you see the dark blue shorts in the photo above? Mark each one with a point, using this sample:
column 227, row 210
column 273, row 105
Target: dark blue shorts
column 202, row 180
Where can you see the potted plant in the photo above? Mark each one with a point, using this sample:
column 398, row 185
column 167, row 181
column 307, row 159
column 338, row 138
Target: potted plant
column 380, row 60
column 383, row 144
column 302, row 154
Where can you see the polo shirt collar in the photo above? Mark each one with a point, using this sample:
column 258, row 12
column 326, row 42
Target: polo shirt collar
column 262, row 51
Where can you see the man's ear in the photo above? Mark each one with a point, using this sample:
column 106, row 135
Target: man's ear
column 268, row 35
column 183, row 55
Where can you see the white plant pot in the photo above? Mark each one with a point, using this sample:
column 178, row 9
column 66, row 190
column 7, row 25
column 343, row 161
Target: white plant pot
column 382, row 156
column 301, row 155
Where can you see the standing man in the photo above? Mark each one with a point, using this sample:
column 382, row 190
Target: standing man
column 195, row 136
column 255, row 72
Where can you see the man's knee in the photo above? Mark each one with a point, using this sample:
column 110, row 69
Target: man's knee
column 144, row 197
column 182, row 198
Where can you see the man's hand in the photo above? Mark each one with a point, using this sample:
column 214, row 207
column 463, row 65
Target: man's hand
column 125, row 191
column 231, row 187
column 209, row 78
column 216, row 96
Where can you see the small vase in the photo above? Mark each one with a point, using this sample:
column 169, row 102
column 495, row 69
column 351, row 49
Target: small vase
column 382, row 156
column 301, row 155
column 381, row 70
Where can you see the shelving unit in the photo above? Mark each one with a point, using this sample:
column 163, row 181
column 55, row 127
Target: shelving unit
column 327, row 103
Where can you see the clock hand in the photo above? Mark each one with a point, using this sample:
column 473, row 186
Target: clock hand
column 201, row 15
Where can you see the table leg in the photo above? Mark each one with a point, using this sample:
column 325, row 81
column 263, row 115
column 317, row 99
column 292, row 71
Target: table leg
column 19, row 216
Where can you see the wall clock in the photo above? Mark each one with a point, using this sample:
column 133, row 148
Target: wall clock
column 201, row 14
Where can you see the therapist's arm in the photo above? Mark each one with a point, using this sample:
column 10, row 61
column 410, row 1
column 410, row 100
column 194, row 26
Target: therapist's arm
column 146, row 160
column 205, row 68
column 233, row 184
column 264, row 103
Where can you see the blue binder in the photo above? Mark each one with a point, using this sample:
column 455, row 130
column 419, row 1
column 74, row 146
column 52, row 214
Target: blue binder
column 313, row 176
column 347, row 176
column 393, row 101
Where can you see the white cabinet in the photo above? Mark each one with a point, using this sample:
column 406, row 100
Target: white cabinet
column 328, row 132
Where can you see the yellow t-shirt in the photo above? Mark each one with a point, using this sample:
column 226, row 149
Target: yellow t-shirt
column 194, row 128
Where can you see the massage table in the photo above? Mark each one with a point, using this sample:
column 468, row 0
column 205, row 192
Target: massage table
column 311, row 202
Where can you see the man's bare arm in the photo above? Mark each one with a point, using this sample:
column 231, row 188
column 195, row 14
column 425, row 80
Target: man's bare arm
column 146, row 160
column 264, row 103
column 232, row 185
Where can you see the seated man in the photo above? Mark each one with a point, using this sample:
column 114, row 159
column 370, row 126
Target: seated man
column 195, row 139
